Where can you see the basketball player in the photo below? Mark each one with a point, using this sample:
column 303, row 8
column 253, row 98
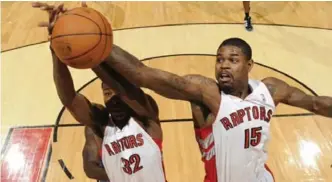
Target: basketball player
column 247, row 18
column 92, row 162
column 231, row 114
column 129, row 124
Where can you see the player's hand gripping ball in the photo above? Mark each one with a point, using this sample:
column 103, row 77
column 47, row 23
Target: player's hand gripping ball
column 81, row 38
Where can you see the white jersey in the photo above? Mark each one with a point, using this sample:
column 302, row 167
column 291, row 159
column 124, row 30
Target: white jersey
column 131, row 155
column 234, row 147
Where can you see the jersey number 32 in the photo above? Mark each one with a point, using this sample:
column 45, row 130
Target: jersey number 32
column 133, row 159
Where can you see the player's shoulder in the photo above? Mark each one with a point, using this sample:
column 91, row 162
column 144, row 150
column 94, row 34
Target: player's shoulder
column 273, row 84
column 272, row 81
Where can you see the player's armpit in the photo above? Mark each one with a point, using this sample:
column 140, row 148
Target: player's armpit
column 164, row 83
column 91, row 158
column 284, row 93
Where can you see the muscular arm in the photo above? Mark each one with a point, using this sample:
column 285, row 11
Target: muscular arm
column 91, row 158
column 284, row 93
column 164, row 83
column 76, row 103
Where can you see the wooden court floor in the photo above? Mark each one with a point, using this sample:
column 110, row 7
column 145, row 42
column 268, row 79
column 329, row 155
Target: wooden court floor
column 290, row 41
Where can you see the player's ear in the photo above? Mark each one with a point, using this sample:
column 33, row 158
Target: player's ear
column 250, row 64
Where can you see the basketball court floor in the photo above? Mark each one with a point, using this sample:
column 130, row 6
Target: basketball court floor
column 291, row 40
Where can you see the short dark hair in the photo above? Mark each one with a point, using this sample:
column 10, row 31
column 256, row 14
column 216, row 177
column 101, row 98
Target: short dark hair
column 240, row 43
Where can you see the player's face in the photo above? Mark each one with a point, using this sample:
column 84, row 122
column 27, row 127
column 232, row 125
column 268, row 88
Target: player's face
column 114, row 104
column 232, row 68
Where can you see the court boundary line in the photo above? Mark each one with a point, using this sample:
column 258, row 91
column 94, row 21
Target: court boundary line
column 4, row 146
column 47, row 162
column 65, row 169
column 184, row 24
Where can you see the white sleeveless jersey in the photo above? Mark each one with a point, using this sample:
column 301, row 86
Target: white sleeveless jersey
column 131, row 155
column 234, row 148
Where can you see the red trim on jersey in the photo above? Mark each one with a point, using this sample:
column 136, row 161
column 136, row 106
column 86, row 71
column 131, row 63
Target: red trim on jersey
column 159, row 142
column 209, row 165
column 268, row 169
column 100, row 153
column 203, row 132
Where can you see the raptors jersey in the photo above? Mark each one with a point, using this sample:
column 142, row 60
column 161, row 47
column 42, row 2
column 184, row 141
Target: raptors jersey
column 131, row 155
column 234, row 147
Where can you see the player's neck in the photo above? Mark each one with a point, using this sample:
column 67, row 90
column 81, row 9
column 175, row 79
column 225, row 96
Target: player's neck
column 242, row 92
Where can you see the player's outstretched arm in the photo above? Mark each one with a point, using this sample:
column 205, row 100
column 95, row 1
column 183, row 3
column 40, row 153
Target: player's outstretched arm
column 165, row 83
column 129, row 93
column 90, row 157
column 76, row 103
column 284, row 93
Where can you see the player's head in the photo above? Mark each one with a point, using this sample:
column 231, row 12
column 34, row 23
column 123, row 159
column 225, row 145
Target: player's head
column 233, row 64
column 119, row 110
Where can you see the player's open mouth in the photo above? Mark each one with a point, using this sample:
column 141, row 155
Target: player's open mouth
column 225, row 77
column 119, row 115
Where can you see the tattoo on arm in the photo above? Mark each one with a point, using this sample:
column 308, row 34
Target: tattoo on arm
column 282, row 92
column 271, row 89
column 322, row 105
column 164, row 83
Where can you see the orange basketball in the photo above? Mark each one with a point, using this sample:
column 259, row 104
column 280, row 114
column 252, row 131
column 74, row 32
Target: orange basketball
column 82, row 38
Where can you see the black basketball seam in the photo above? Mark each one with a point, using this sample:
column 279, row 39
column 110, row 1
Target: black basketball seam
column 102, row 19
column 93, row 47
column 84, row 17
column 81, row 34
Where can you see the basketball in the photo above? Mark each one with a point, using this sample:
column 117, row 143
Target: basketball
column 82, row 38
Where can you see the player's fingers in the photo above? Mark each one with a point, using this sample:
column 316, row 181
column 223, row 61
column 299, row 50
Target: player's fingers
column 55, row 12
column 53, row 20
column 47, row 8
column 37, row 4
column 64, row 10
column 60, row 7
column 43, row 24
